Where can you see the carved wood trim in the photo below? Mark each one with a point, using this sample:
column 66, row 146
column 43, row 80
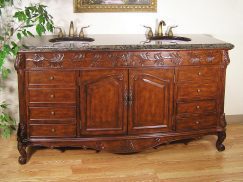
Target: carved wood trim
column 195, row 58
column 54, row 62
column 226, row 58
column 19, row 62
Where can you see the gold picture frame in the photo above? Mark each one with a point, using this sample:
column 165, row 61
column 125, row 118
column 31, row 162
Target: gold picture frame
column 84, row 6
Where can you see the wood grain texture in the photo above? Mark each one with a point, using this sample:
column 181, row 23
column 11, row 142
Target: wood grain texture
column 196, row 162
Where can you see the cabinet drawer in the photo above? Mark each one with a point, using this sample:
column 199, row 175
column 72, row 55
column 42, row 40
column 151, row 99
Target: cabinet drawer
column 52, row 130
column 191, row 91
column 52, row 112
column 52, row 77
column 196, row 107
column 52, row 95
column 203, row 122
column 198, row 74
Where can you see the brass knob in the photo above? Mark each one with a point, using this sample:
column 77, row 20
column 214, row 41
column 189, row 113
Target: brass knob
column 198, row 107
column 199, row 73
column 53, row 130
column 52, row 96
column 51, row 78
column 198, row 90
column 52, row 113
column 197, row 122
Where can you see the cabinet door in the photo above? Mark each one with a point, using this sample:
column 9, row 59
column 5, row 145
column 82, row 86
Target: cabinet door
column 103, row 106
column 150, row 100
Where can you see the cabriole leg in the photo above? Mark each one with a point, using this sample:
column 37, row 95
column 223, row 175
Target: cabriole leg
column 219, row 143
column 23, row 153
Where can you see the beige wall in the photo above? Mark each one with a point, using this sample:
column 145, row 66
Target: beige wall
column 221, row 18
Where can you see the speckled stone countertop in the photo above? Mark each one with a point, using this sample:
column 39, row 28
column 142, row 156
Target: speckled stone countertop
column 125, row 42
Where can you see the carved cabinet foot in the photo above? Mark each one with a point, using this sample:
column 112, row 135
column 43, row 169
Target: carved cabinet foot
column 219, row 143
column 23, row 153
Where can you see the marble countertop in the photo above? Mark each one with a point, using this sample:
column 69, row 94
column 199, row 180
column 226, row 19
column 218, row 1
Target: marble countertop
column 125, row 42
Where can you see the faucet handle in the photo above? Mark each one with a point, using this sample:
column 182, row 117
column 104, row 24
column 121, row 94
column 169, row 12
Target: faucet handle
column 60, row 33
column 169, row 31
column 149, row 33
column 81, row 33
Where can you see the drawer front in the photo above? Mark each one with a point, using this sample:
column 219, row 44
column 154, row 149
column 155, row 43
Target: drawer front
column 198, row 74
column 196, row 107
column 52, row 77
column 51, row 130
column 52, row 95
column 190, row 91
column 52, row 112
column 203, row 122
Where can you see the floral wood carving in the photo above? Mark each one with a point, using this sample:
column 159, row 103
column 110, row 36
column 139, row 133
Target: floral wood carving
column 210, row 57
column 54, row 62
column 195, row 58
column 226, row 57
column 79, row 57
column 19, row 62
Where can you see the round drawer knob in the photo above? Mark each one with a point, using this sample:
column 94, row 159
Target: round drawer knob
column 198, row 90
column 52, row 95
column 52, row 113
column 53, row 130
column 199, row 73
column 197, row 122
column 51, row 77
column 198, row 107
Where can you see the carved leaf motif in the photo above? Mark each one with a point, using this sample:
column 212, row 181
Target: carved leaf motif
column 175, row 58
column 130, row 146
column 95, row 60
column 194, row 58
column 79, row 57
column 38, row 58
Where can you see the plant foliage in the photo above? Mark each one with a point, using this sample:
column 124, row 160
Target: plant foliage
column 20, row 23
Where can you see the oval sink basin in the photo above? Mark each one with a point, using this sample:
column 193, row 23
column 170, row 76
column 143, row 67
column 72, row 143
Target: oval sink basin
column 68, row 39
column 170, row 38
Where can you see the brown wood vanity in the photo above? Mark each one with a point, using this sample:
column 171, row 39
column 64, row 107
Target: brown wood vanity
column 121, row 97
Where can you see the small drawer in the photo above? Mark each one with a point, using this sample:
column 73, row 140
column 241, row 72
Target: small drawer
column 198, row 91
column 52, row 78
column 52, row 130
column 196, row 107
column 198, row 74
column 52, row 95
column 203, row 122
column 52, row 113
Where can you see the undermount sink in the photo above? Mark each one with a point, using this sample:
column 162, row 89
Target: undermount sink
column 174, row 38
column 69, row 39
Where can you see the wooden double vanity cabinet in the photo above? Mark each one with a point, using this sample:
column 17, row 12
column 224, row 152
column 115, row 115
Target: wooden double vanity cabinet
column 122, row 99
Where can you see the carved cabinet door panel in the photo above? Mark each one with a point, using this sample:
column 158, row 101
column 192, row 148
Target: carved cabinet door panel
column 103, row 98
column 150, row 100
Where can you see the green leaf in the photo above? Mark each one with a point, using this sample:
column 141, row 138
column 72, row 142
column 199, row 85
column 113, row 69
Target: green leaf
column 42, row 19
column 29, row 33
column 40, row 29
column 19, row 36
column 1, row 38
column 5, row 73
column 49, row 26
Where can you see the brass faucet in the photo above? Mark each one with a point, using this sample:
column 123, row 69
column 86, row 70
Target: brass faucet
column 81, row 33
column 169, row 31
column 71, row 29
column 149, row 33
column 160, row 28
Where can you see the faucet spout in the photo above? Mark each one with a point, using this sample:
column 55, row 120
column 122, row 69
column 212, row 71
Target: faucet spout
column 160, row 28
column 71, row 29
